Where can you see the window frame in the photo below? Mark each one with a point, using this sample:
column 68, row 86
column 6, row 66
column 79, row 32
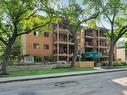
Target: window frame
column 36, row 33
column 45, row 46
column 37, row 45
column 46, row 34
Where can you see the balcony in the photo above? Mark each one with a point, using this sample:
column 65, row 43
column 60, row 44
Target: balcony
column 61, row 31
column 89, row 43
column 64, row 43
column 63, row 39
column 89, row 33
column 102, row 33
column 104, row 45
column 62, row 53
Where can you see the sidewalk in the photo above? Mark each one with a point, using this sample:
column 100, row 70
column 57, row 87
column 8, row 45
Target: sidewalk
column 57, row 75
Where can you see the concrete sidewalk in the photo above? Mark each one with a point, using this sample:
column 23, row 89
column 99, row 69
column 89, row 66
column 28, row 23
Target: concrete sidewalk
column 57, row 75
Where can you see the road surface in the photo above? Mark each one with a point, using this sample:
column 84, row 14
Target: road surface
column 113, row 83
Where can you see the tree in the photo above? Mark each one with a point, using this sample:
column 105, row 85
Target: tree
column 16, row 51
column 1, row 50
column 125, row 46
column 114, row 13
column 73, row 15
column 18, row 17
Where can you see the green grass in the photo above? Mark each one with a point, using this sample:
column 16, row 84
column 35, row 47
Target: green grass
column 123, row 66
column 38, row 72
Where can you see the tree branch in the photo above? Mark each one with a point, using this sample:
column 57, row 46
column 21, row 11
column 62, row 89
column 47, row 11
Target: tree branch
column 114, row 15
column 91, row 17
column 108, row 18
column 67, row 27
column 5, row 32
column 31, row 14
column 85, row 20
column 19, row 17
column 105, row 28
column 33, row 29
column 123, row 28
column 121, row 32
column 1, row 39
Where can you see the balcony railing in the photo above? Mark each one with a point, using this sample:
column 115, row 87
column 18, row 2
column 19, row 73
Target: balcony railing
column 89, row 44
column 89, row 34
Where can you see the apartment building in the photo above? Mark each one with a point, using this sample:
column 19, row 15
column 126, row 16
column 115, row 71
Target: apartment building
column 62, row 43
column 94, row 40
column 121, row 50
column 59, row 43
column 36, row 44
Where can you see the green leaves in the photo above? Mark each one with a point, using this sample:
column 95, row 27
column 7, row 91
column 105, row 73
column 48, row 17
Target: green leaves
column 92, row 24
column 1, row 49
column 23, row 18
column 76, row 14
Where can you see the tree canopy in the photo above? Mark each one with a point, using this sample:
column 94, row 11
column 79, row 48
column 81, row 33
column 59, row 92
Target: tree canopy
column 18, row 17
column 73, row 15
column 114, row 12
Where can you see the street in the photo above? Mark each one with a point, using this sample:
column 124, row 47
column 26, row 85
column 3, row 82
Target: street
column 113, row 83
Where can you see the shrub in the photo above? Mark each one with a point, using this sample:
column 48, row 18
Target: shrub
column 103, row 64
column 120, row 64
column 124, row 63
column 37, row 59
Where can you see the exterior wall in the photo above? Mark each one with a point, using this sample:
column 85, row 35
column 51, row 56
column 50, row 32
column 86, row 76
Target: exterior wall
column 57, row 43
column 30, row 39
column 85, row 64
column 39, row 66
column 23, row 39
column 62, row 44
column 28, row 59
column 81, row 41
column 120, row 49
column 94, row 40
column 121, row 54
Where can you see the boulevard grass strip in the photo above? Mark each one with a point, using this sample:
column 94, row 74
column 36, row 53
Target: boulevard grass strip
column 41, row 72
column 124, row 66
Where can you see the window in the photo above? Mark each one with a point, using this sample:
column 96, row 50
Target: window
column 36, row 46
column 46, row 34
column 28, row 58
column 36, row 33
column 46, row 46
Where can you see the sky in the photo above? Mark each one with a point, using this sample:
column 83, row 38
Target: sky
column 105, row 23
column 65, row 2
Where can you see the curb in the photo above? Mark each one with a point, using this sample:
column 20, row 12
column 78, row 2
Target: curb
column 58, row 76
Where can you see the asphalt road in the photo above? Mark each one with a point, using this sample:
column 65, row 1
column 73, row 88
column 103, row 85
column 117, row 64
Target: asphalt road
column 114, row 83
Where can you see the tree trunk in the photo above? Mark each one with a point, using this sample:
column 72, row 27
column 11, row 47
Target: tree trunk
column 6, row 57
column 5, row 60
column 111, row 52
column 74, row 52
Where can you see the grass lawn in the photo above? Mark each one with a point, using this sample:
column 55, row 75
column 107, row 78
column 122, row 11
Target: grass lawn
column 124, row 66
column 49, row 71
